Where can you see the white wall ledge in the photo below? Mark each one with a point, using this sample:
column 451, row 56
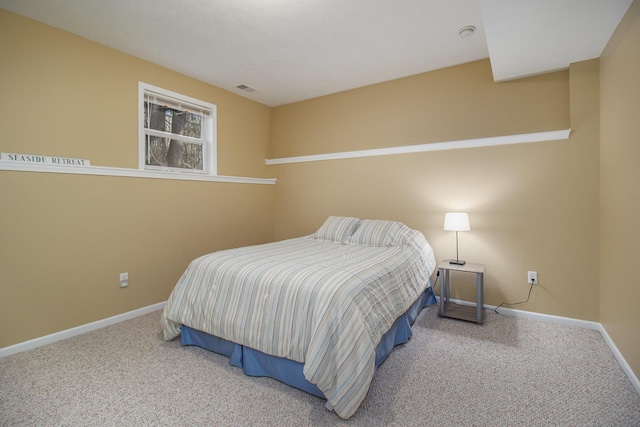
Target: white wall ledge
column 434, row 146
column 132, row 173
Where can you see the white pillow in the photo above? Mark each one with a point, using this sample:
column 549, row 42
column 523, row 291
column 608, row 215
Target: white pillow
column 337, row 228
column 376, row 232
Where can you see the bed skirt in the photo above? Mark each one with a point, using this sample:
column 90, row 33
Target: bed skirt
column 258, row 364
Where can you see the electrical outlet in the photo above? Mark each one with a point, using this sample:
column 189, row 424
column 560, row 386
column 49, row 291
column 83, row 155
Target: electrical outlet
column 532, row 277
column 124, row 280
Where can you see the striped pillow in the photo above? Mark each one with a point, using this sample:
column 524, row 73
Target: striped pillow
column 375, row 232
column 337, row 228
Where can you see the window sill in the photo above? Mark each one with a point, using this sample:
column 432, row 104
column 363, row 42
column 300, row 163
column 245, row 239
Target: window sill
column 133, row 173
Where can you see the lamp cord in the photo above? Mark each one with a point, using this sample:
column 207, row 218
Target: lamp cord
column 516, row 303
column 433, row 287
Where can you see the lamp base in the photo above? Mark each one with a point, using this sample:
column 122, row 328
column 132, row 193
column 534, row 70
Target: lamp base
column 457, row 262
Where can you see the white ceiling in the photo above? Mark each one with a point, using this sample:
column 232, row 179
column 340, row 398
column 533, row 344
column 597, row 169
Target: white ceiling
column 291, row 50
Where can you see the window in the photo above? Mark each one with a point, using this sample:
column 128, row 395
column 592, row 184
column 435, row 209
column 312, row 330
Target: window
column 176, row 132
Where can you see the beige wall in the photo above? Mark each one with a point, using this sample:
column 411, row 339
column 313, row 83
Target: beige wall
column 556, row 207
column 620, row 189
column 532, row 206
column 65, row 238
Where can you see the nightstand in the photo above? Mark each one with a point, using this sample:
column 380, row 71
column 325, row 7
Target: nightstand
column 458, row 311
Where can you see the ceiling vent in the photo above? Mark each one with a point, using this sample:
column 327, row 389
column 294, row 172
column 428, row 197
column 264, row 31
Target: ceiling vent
column 246, row 88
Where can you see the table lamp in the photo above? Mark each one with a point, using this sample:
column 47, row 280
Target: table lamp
column 456, row 222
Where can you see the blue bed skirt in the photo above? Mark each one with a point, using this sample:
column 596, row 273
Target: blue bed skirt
column 258, row 364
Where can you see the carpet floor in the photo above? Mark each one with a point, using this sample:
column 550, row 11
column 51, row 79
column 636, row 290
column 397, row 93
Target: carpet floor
column 507, row 372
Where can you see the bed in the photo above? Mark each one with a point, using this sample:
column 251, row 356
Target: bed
column 318, row 312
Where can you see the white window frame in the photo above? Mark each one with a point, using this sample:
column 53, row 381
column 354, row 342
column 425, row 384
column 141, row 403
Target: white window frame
column 209, row 143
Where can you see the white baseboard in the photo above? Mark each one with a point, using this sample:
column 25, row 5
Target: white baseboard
column 549, row 318
column 621, row 360
column 59, row 336
column 568, row 321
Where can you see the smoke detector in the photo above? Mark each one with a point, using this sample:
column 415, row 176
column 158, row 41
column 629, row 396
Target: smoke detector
column 467, row 31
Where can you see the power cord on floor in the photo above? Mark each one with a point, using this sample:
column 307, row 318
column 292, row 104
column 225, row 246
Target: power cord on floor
column 433, row 287
column 516, row 303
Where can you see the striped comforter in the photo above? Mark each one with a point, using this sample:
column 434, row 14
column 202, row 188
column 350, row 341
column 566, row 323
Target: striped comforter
column 319, row 302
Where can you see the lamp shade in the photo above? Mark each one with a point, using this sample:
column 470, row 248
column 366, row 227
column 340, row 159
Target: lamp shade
column 456, row 222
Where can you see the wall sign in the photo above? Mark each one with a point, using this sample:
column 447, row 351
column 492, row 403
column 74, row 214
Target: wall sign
column 44, row 160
